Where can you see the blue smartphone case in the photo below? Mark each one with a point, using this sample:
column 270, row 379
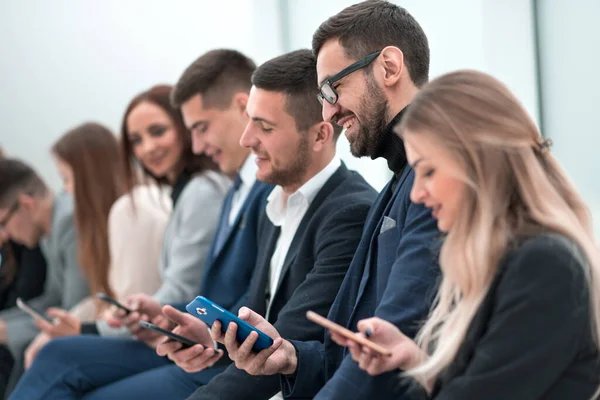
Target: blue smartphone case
column 210, row 312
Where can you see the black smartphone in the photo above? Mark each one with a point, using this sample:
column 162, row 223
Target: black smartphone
column 110, row 300
column 33, row 313
column 173, row 336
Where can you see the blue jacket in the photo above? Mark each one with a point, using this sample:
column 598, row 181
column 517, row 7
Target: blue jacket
column 228, row 270
column 393, row 275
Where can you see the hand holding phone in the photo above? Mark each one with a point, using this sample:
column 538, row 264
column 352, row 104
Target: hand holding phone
column 346, row 333
column 210, row 312
column 104, row 297
column 185, row 342
column 34, row 314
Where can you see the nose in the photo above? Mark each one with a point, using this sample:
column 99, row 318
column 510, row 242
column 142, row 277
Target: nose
column 329, row 111
column 418, row 194
column 147, row 146
column 248, row 138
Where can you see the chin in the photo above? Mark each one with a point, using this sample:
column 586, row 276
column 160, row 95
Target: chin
column 442, row 226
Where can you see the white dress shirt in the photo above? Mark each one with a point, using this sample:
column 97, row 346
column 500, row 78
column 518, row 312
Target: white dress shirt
column 287, row 213
column 248, row 176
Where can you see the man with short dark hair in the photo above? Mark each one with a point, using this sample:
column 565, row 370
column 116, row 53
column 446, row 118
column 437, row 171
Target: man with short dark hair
column 372, row 58
column 31, row 214
column 315, row 217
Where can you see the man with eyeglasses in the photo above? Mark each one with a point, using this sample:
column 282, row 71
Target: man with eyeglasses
column 31, row 214
column 372, row 58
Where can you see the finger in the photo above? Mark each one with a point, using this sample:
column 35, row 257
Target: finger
column 230, row 340
column 168, row 347
column 245, row 349
column 217, row 333
column 174, row 315
column 363, row 361
column 339, row 339
column 58, row 313
column 367, row 326
column 136, row 329
column 355, row 350
column 114, row 323
column 196, row 352
column 260, row 360
column 373, row 365
column 131, row 319
column 44, row 325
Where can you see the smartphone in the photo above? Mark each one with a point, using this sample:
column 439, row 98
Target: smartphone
column 210, row 312
column 173, row 336
column 110, row 300
column 34, row 314
column 348, row 334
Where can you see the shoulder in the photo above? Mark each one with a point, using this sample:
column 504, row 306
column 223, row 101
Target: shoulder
column 207, row 186
column 352, row 188
column 63, row 219
column 549, row 262
column 143, row 199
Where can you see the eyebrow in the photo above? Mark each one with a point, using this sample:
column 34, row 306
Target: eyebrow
column 259, row 119
column 414, row 165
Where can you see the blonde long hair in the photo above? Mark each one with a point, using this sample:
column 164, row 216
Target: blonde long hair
column 514, row 185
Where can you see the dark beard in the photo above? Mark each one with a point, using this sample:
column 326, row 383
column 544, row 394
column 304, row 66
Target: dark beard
column 295, row 172
column 373, row 111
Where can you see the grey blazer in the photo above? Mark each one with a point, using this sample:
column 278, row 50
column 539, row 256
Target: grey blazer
column 65, row 284
column 188, row 236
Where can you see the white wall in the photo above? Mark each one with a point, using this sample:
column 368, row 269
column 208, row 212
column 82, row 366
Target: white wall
column 490, row 35
column 68, row 61
column 570, row 64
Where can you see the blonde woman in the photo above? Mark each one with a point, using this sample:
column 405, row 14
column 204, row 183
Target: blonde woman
column 517, row 312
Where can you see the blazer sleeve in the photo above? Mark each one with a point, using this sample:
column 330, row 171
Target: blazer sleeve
column 406, row 299
column 196, row 218
column 539, row 321
column 337, row 239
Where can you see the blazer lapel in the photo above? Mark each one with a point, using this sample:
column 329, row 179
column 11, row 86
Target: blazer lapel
column 263, row 268
column 334, row 181
column 383, row 209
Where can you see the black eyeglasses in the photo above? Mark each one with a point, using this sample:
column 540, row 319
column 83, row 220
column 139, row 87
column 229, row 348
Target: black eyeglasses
column 328, row 93
column 9, row 215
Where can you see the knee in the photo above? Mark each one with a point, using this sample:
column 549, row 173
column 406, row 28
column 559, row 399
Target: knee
column 65, row 349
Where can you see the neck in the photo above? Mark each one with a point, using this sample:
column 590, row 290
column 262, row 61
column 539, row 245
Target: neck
column 317, row 164
column 399, row 100
column 46, row 212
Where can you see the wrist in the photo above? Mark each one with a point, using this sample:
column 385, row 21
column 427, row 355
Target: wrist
column 292, row 358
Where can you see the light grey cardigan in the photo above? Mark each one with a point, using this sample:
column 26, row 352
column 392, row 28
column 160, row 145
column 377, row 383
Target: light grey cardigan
column 65, row 284
column 188, row 237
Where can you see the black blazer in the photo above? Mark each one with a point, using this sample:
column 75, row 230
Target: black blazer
column 531, row 338
column 313, row 271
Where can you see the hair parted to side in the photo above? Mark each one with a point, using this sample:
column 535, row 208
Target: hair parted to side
column 159, row 95
column 295, row 75
column 18, row 178
column 216, row 75
column 515, row 187
column 92, row 152
column 371, row 25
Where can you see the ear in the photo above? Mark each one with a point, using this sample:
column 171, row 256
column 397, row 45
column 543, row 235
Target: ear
column 323, row 135
column 392, row 62
column 240, row 100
